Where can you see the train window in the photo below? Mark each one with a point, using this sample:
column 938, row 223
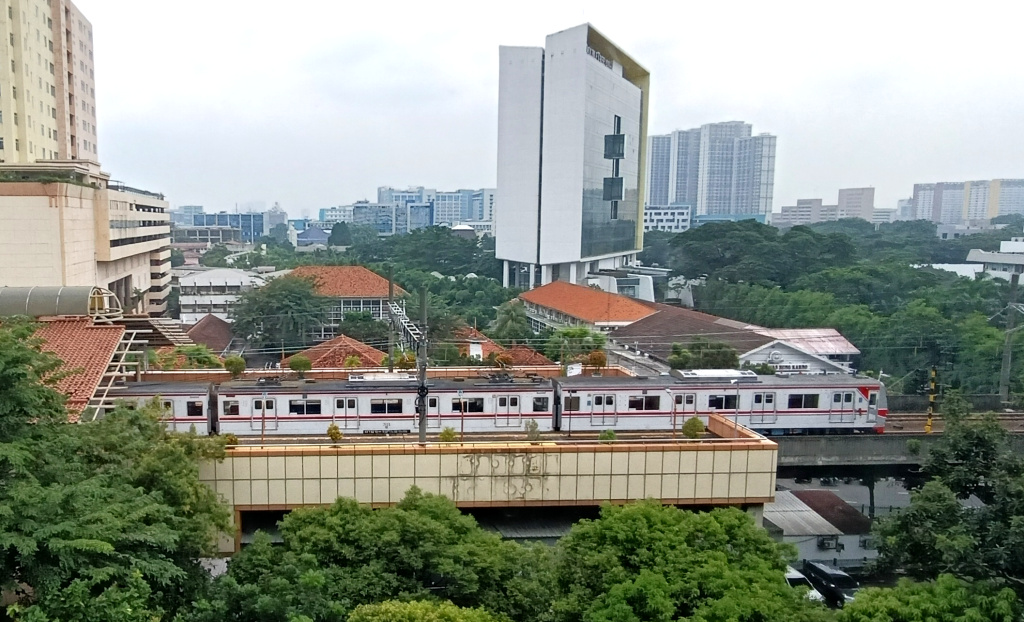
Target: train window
column 769, row 398
column 473, row 404
column 689, row 400
column 758, row 398
column 304, row 407
column 540, row 404
column 644, row 402
column 873, row 399
column 722, row 402
column 391, row 406
column 432, row 402
column 339, row 404
column 502, row 402
column 837, row 398
column 231, row 407
column 169, row 406
column 572, row 402
column 351, row 404
column 803, row 400
column 848, row 398
column 513, row 402
column 262, row 405
column 599, row 400
column 679, row 399
column 194, row 409
column 609, row 400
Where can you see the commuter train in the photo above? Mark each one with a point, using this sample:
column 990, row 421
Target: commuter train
column 385, row 404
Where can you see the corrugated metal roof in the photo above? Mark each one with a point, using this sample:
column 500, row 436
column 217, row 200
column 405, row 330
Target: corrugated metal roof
column 820, row 341
column 222, row 276
column 796, row 518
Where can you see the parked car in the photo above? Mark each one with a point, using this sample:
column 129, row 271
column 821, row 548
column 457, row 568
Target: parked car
column 796, row 579
column 836, row 586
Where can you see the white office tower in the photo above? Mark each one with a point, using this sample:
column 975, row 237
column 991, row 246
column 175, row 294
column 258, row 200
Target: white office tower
column 572, row 128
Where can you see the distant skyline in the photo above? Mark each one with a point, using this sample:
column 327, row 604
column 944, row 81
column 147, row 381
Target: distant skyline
column 319, row 103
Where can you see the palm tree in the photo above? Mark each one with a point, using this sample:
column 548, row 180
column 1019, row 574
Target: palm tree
column 511, row 323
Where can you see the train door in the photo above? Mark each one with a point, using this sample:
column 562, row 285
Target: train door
column 872, row 414
column 507, row 412
column 841, row 409
column 433, row 412
column 763, row 410
column 264, row 412
column 346, row 413
column 602, row 410
column 684, row 406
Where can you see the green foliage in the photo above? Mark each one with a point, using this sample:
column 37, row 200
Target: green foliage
column 185, row 357
column 362, row 326
column 300, row 364
column 215, row 257
column 279, row 234
column 336, row 558
column 703, row 354
column 230, row 439
column 280, row 314
column 106, row 517
column 27, row 379
column 648, row 562
column 448, row 435
column 334, row 433
column 947, row 598
column 606, row 436
column 572, row 344
column 693, row 428
column 340, row 235
column 418, row 611
column 761, row 369
column 234, row 364
column 532, row 430
column 511, row 324
column 177, row 258
column 352, row 361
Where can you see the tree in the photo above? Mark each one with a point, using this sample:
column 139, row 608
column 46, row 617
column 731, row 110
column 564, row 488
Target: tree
column 511, row 324
column 106, row 516
column 946, row 598
column 282, row 313
column 215, row 257
column 300, row 364
column 418, row 611
column 353, row 361
column 340, row 235
column 644, row 561
column 28, row 376
column 235, row 365
column 703, row 354
column 279, row 234
column 333, row 559
column 177, row 258
column 362, row 326
column 569, row 344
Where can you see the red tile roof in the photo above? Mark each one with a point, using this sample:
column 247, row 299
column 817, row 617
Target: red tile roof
column 86, row 350
column 467, row 334
column 212, row 332
column 591, row 305
column 332, row 354
column 346, row 281
column 523, row 355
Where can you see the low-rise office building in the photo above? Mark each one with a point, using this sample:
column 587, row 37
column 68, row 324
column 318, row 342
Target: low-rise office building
column 214, row 292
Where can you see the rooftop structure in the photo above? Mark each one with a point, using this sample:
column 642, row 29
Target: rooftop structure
column 1004, row 264
column 357, row 289
column 212, row 332
column 214, row 291
column 336, row 353
column 560, row 304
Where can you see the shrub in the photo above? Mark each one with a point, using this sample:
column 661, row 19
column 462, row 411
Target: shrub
column 693, row 428
column 300, row 364
column 448, row 435
column 606, row 436
column 532, row 430
column 231, row 439
column 235, row 365
column 334, row 433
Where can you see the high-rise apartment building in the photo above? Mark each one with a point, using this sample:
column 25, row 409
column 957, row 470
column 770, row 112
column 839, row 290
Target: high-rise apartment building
column 445, row 208
column 572, row 128
column 717, row 169
column 953, row 203
column 48, row 100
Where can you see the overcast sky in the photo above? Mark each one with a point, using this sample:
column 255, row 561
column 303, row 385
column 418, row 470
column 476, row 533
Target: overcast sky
column 316, row 103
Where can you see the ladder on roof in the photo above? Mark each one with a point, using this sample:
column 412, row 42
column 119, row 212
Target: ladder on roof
column 409, row 330
column 117, row 369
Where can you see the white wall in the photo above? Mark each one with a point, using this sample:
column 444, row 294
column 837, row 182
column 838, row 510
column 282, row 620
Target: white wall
column 519, row 146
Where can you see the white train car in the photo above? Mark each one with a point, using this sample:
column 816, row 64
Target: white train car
column 186, row 405
column 798, row 404
column 379, row 405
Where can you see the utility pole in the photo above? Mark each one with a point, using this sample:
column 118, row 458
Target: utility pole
column 391, row 323
column 421, row 365
column 1011, row 319
column 931, row 399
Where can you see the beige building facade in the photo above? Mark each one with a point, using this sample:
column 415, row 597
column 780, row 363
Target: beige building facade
column 47, row 82
column 66, row 223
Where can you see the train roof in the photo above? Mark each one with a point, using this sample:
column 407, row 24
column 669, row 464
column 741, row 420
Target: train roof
column 673, row 381
column 245, row 387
